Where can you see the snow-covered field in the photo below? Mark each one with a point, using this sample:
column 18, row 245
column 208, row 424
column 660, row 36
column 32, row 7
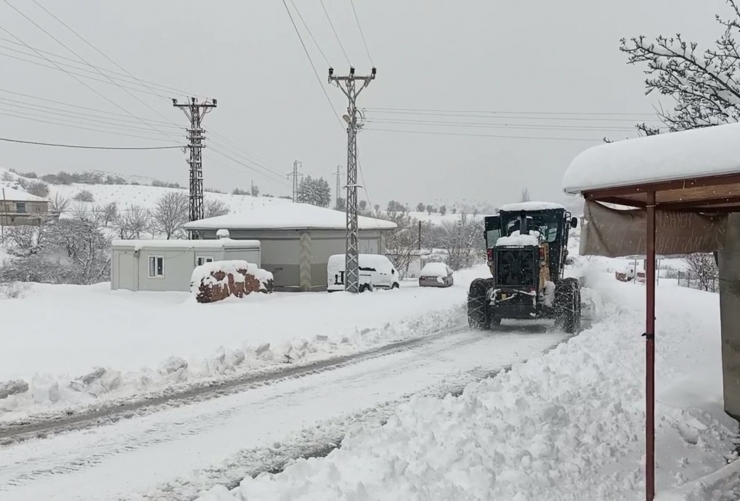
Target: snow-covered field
column 147, row 342
column 564, row 426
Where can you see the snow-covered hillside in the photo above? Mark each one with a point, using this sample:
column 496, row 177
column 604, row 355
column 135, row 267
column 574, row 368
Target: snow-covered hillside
column 143, row 196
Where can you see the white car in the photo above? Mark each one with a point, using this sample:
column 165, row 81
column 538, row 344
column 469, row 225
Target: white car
column 376, row 272
column 435, row 275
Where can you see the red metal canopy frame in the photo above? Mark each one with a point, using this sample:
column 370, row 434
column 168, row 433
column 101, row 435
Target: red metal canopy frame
column 696, row 194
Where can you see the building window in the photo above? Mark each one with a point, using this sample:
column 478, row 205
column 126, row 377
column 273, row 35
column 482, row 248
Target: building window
column 201, row 260
column 20, row 207
column 156, row 267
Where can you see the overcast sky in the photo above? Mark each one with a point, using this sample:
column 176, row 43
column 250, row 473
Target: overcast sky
column 530, row 59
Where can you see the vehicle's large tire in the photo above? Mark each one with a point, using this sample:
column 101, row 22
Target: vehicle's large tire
column 568, row 305
column 478, row 305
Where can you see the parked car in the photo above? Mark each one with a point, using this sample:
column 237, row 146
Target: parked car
column 435, row 275
column 376, row 272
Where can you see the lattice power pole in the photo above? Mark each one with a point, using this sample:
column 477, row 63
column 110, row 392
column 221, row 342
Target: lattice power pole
column 348, row 84
column 195, row 112
column 295, row 175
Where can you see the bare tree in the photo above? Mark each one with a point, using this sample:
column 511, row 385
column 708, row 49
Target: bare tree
column 704, row 268
column 430, row 209
column 403, row 242
column 58, row 203
column 171, row 214
column 420, row 207
column 80, row 211
column 703, row 84
column 341, row 204
column 214, row 208
column 462, row 239
column 132, row 222
column 525, row 195
column 110, row 213
column 38, row 188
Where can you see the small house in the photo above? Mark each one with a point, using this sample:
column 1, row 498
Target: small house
column 18, row 208
column 297, row 239
column 167, row 265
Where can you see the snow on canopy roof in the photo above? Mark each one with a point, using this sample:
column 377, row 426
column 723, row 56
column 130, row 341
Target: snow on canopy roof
column 287, row 216
column 530, row 206
column 223, row 243
column 710, row 151
column 14, row 195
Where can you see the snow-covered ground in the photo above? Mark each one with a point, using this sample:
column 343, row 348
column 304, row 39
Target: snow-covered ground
column 149, row 341
column 564, row 426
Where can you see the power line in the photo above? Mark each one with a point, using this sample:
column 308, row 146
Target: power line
column 245, row 165
column 336, row 35
column 85, row 117
column 117, row 133
column 487, row 135
column 309, row 32
column 398, row 110
column 501, row 125
column 83, row 147
column 85, row 61
column 141, row 82
column 352, row 3
column 76, row 65
column 511, row 116
column 318, row 78
column 256, row 165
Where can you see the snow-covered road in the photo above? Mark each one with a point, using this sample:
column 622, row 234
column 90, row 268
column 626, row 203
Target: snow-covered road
column 174, row 453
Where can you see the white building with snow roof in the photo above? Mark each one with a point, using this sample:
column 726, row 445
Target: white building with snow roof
column 296, row 239
column 20, row 208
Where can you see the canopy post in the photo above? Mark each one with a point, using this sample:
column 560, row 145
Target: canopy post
column 650, row 350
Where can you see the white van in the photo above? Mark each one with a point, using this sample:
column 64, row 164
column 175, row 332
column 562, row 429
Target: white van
column 376, row 271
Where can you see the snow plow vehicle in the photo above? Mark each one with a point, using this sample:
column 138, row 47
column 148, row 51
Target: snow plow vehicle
column 526, row 249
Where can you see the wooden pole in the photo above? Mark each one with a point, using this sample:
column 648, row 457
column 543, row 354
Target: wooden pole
column 650, row 351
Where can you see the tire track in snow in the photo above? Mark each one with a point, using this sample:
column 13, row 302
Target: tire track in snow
column 89, row 450
column 112, row 412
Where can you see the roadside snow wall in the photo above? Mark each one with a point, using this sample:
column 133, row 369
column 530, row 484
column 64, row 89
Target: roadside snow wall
column 218, row 280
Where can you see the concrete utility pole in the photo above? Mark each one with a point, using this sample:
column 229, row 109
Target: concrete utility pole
column 339, row 184
column 295, row 175
column 195, row 112
column 348, row 84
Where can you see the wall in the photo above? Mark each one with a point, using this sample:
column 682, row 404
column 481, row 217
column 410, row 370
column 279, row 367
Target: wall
column 729, row 301
column 35, row 213
column 281, row 252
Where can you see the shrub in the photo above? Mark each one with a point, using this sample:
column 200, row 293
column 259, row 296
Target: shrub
column 84, row 196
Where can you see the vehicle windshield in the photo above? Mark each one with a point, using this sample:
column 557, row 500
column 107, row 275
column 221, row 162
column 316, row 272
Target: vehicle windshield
column 547, row 227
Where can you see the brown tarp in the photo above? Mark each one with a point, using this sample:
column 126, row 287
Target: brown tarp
column 618, row 233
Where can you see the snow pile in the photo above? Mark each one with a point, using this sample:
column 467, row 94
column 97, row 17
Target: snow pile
column 116, row 345
column 566, row 426
column 517, row 239
column 435, row 270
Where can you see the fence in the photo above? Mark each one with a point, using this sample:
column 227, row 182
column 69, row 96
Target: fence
column 689, row 279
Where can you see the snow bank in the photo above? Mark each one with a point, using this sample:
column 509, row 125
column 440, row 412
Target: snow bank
column 566, row 426
column 710, row 151
column 517, row 238
column 92, row 344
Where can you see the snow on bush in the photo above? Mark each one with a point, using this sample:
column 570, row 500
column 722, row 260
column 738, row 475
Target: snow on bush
column 566, row 426
column 218, row 280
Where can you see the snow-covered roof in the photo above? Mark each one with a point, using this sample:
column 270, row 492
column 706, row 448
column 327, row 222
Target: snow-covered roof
column 530, row 206
column 223, row 243
column 11, row 194
column 710, row 151
column 518, row 239
column 287, row 217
